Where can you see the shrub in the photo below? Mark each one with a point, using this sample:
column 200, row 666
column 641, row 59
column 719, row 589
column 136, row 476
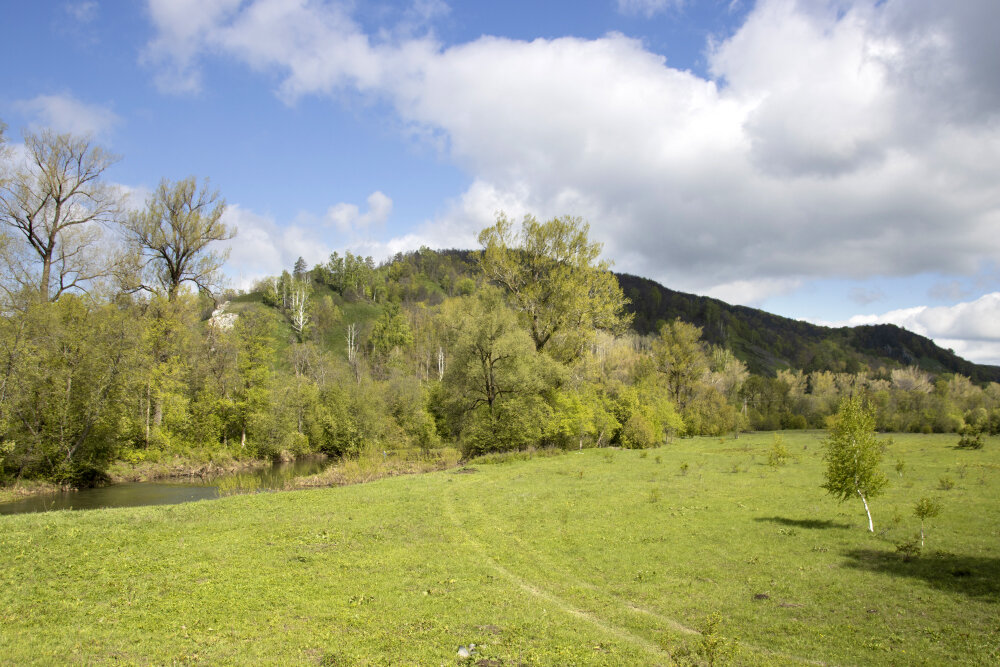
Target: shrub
column 778, row 455
column 972, row 438
column 638, row 433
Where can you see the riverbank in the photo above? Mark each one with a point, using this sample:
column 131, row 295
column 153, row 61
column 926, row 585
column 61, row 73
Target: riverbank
column 122, row 472
column 27, row 488
column 374, row 465
column 364, row 468
column 178, row 467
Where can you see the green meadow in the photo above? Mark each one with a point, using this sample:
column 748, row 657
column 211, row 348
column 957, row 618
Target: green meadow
column 704, row 551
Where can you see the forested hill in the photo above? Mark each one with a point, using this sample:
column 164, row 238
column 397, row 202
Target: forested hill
column 764, row 341
column 767, row 342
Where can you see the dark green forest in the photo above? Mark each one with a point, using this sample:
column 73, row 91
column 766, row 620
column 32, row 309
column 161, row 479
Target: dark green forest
column 119, row 343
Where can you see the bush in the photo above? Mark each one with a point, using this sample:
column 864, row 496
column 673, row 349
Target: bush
column 972, row 438
column 778, row 455
column 638, row 433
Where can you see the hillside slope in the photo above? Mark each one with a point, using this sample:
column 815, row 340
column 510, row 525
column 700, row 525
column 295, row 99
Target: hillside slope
column 767, row 342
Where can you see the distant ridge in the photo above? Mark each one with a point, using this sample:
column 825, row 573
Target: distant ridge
column 768, row 342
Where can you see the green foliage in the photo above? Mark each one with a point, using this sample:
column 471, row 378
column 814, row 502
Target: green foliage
column 926, row 508
column 352, row 357
column 768, row 343
column 713, row 648
column 971, row 437
column 638, row 433
column 853, row 455
column 777, row 455
column 681, row 357
column 64, row 389
column 496, row 378
column 555, row 281
column 390, row 334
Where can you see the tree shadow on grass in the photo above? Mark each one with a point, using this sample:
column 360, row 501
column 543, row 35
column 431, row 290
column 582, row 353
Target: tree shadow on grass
column 803, row 523
column 972, row 576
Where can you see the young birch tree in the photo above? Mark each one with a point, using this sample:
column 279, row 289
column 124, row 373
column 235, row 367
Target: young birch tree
column 853, row 455
column 299, row 310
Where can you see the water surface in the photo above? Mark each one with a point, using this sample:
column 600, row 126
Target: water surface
column 167, row 492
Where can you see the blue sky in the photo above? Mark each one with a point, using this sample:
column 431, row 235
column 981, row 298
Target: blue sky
column 831, row 160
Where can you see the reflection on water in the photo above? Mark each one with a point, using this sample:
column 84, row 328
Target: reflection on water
column 133, row 494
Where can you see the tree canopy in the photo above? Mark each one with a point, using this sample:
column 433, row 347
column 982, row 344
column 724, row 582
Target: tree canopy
column 55, row 203
column 554, row 278
column 174, row 235
column 853, row 455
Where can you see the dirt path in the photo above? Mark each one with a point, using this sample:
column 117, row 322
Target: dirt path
column 603, row 624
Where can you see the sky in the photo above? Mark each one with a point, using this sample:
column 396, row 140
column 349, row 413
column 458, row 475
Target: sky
column 836, row 161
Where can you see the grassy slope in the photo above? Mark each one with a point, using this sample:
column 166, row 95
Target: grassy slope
column 598, row 557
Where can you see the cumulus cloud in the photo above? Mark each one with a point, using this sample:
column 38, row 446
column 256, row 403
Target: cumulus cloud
column 833, row 139
column 647, row 8
column 184, row 32
column 752, row 292
column 263, row 248
column 348, row 217
column 66, row 113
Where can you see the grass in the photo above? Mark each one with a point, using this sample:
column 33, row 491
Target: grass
column 593, row 557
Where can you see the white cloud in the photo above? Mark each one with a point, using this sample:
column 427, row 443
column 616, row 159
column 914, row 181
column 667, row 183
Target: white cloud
column 348, row 217
column 971, row 328
column 184, row 32
column 263, row 248
column 970, row 320
column 82, row 12
column 66, row 113
column 647, row 8
column 836, row 139
column 752, row 292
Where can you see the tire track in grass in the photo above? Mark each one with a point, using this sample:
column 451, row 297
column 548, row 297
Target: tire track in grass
column 553, row 599
column 628, row 605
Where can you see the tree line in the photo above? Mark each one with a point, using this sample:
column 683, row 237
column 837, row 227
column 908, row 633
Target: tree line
column 118, row 343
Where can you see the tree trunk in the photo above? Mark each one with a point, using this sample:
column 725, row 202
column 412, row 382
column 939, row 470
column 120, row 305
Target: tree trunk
column 871, row 526
column 147, row 414
column 43, row 289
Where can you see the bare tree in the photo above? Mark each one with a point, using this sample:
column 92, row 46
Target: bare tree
column 174, row 234
column 300, row 306
column 55, row 202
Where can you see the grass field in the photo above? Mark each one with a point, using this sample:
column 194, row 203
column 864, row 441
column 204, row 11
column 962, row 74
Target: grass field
column 695, row 553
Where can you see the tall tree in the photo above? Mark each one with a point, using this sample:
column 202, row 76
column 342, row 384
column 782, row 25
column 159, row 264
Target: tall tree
column 300, row 269
column 681, row 357
column 853, row 455
column 175, row 234
column 495, row 378
column 554, row 278
column 55, row 201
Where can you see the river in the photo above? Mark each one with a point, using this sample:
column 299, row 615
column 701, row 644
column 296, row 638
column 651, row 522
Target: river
column 167, row 492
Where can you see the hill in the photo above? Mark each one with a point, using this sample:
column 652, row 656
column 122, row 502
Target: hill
column 767, row 342
column 764, row 341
